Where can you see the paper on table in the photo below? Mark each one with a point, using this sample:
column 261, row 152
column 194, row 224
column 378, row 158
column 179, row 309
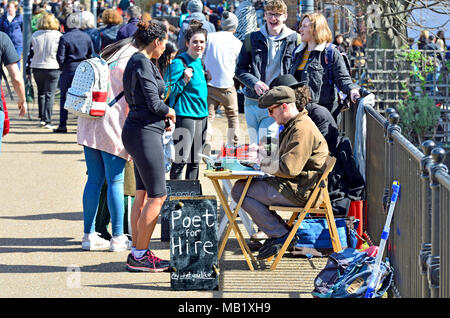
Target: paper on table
column 248, row 173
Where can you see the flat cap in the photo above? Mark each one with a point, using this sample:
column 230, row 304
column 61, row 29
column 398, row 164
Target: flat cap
column 277, row 95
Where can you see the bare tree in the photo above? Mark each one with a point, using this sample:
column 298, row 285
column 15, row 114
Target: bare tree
column 387, row 21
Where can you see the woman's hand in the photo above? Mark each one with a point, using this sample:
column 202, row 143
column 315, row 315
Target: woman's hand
column 354, row 94
column 188, row 73
column 171, row 115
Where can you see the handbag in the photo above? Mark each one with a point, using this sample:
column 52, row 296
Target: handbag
column 6, row 124
column 29, row 90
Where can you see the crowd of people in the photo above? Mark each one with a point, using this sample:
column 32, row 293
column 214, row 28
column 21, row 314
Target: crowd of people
column 178, row 86
column 173, row 78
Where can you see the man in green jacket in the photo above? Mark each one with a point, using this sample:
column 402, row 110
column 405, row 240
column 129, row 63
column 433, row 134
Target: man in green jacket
column 295, row 168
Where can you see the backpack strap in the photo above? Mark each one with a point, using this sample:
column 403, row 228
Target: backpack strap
column 247, row 43
column 116, row 99
column 329, row 61
column 168, row 93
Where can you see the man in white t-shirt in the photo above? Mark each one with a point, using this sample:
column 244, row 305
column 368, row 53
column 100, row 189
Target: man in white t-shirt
column 222, row 50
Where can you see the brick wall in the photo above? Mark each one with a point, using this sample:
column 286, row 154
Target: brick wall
column 292, row 6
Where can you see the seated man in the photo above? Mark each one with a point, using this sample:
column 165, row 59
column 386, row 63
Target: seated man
column 320, row 115
column 295, row 167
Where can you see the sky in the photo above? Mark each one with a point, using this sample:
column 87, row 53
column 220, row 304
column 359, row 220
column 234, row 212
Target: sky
column 430, row 19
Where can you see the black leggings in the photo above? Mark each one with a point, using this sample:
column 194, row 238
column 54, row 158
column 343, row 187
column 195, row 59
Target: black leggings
column 189, row 137
column 47, row 82
column 146, row 149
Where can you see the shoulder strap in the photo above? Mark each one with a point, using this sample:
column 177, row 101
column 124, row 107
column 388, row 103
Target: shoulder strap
column 247, row 43
column 116, row 99
column 169, row 91
column 182, row 60
column 329, row 61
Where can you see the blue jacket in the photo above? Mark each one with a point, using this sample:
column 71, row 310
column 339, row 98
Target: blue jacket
column 252, row 62
column 128, row 29
column 74, row 47
column 108, row 34
column 316, row 75
column 13, row 29
column 94, row 33
column 192, row 101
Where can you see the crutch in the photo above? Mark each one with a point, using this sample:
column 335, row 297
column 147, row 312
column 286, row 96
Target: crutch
column 375, row 276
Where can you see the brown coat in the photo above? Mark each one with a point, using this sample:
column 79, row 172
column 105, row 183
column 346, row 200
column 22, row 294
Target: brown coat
column 299, row 161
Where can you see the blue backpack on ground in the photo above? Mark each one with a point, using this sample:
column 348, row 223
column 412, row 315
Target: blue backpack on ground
column 314, row 233
column 314, row 236
column 347, row 274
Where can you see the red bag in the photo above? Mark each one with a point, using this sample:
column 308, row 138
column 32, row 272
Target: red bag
column 5, row 110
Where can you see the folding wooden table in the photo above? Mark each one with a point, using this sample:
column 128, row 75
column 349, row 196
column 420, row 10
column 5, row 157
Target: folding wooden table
column 215, row 177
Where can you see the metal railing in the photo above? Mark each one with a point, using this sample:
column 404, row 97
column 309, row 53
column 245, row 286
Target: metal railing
column 388, row 74
column 420, row 229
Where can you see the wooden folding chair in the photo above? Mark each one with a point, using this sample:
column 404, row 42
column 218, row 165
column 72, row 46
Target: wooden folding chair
column 300, row 213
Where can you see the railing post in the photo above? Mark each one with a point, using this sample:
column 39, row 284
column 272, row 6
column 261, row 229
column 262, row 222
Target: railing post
column 388, row 157
column 438, row 156
column 425, row 251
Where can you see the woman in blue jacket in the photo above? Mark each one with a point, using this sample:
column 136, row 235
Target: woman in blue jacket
column 74, row 46
column 12, row 24
column 310, row 65
column 187, row 89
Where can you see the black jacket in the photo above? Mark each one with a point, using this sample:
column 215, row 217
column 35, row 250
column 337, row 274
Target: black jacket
column 326, row 124
column 345, row 183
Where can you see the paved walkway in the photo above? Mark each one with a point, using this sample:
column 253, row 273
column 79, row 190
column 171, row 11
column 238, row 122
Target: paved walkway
column 41, row 225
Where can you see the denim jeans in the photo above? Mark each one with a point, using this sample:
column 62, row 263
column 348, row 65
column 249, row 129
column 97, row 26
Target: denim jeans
column 100, row 165
column 2, row 118
column 259, row 123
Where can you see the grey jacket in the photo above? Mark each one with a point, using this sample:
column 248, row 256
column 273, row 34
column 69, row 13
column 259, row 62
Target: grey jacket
column 315, row 75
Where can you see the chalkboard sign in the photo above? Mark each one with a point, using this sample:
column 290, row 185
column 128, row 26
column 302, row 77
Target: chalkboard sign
column 194, row 243
column 176, row 188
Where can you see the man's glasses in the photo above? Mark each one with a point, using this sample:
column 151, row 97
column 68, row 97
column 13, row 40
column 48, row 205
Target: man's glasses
column 273, row 15
column 270, row 110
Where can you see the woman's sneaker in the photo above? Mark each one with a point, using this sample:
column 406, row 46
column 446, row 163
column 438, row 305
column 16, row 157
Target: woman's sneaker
column 119, row 243
column 93, row 242
column 147, row 263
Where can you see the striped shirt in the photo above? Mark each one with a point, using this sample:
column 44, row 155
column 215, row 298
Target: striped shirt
column 305, row 58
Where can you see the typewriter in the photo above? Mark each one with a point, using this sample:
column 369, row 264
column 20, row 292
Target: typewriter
column 231, row 158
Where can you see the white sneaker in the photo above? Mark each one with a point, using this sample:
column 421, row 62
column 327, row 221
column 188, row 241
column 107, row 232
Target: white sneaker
column 120, row 243
column 49, row 126
column 93, row 241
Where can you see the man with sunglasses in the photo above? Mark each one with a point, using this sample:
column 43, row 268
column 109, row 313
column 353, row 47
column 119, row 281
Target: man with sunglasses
column 295, row 168
column 265, row 55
